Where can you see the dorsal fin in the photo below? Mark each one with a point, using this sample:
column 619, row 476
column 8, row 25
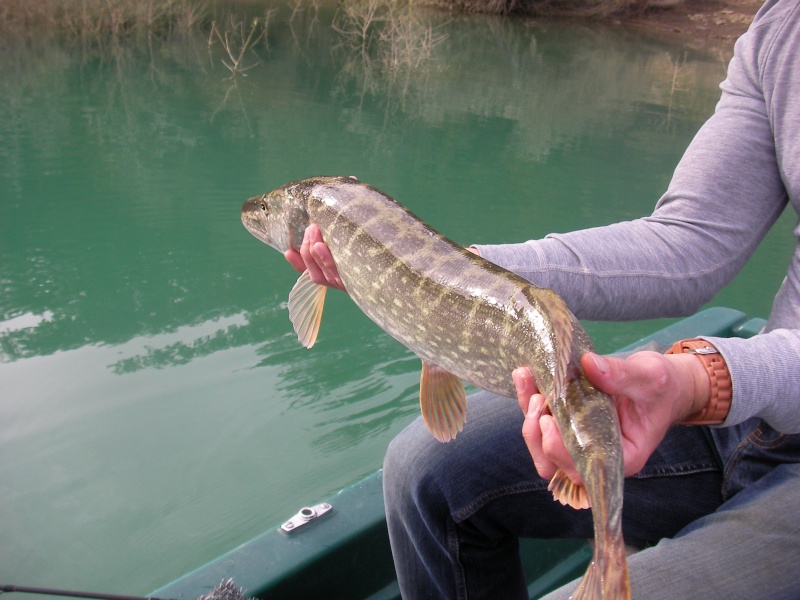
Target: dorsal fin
column 443, row 402
column 562, row 321
column 306, row 301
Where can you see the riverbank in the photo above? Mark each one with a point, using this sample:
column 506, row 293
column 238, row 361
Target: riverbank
column 696, row 24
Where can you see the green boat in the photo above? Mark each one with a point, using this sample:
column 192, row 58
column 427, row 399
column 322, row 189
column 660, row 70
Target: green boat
column 339, row 548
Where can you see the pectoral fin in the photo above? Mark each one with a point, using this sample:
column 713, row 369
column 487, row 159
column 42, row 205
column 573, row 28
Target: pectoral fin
column 443, row 402
column 567, row 492
column 306, row 301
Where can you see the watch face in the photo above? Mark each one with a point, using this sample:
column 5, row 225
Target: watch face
column 704, row 350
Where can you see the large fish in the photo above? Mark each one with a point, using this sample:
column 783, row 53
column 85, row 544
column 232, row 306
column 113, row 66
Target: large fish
column 467, row 319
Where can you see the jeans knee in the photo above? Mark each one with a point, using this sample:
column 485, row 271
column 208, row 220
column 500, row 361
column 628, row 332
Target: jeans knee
column 394, row 461
column 423, row 474
column 398, row 464
column 410, row 462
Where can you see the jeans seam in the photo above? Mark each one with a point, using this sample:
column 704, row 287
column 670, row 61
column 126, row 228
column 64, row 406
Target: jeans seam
column 752, row 439
column 673, row 470
column 478, row 503
column 455, row 548
column 766, row 444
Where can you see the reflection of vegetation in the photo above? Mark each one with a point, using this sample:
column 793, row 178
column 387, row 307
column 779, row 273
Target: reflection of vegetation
column 129, row 111
column 545, row 89
column 99, row 19
column 245, row 329
column 238, row 41
column 594, row 9
column 357, row 21
column 370, row 405
column 391, row 35
column 575, row 8
column 386, row 49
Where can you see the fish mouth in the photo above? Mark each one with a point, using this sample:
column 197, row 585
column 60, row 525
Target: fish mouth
column 253, row 221
column 249, row 215
column 251, row 205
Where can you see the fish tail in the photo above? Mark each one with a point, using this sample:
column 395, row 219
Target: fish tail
column 607, row 575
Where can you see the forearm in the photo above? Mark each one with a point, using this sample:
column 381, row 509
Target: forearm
column 727, row 191
column 620, row 272
column 725, row 194
column 765, row 372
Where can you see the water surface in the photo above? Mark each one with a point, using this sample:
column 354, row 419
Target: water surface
column 155, row 408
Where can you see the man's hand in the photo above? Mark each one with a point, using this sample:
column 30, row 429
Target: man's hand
column 652, row 391
column 315, row 257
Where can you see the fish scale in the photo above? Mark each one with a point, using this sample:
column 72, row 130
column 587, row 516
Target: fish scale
column 467, row 319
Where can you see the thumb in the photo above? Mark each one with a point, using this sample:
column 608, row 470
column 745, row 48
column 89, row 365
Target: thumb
column 596, row 366
column 608, row 373
column 644, row 372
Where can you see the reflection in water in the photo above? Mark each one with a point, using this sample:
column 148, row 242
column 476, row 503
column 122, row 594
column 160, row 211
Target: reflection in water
column 155, row 400
column 138, row 113
column 194, row 343
column 548, row 92
column 24, row 321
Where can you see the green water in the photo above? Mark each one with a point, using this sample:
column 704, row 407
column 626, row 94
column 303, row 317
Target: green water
column 155, row 408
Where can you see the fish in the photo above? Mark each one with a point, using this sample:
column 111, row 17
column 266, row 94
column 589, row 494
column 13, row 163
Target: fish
column 467, row 319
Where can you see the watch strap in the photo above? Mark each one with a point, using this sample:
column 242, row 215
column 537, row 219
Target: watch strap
column 719, row 402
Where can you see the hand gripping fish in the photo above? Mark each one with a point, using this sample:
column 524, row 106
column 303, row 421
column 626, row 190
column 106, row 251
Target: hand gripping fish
column 467, row 319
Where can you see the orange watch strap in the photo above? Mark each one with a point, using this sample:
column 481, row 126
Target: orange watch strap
column 719, row 402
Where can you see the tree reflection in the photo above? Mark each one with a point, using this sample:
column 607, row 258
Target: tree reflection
column 122, row 170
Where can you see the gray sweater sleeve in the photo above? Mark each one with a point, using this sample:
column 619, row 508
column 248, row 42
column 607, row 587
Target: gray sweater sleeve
column 727, row 191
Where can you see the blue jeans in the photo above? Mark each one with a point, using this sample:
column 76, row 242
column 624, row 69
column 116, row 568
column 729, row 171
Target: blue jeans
column 716, row 512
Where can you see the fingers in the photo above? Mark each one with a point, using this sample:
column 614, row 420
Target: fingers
column 294, row 258
column 531, row 403
column 539, row 430
column 532, row 433
column 327, row 266
column 555, row 455
column 525, row 386
column 315, row 257
column 544, row 442
column 311, row 238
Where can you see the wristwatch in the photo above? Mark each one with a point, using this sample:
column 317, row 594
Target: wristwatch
column 719, row 402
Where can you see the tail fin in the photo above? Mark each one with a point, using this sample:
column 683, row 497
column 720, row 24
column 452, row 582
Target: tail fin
column 607, row 575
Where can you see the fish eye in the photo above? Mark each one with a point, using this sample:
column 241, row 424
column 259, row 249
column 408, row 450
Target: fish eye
column 264, row 206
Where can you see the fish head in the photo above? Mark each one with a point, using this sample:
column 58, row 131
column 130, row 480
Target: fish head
column 278, row 218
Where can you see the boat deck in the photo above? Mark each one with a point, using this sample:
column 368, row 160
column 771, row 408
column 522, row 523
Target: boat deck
column 345, row 554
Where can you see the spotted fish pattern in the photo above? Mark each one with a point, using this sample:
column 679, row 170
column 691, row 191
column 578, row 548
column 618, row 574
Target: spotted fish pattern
column 467, row 319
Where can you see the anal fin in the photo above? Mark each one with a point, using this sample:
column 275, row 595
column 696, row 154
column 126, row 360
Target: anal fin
column 443, row 402
column 567, row 492
column 306, row 301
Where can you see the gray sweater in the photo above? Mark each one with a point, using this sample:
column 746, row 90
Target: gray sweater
column 729, row 188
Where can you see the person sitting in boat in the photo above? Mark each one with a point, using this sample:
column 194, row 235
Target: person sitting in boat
column 713, row 507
